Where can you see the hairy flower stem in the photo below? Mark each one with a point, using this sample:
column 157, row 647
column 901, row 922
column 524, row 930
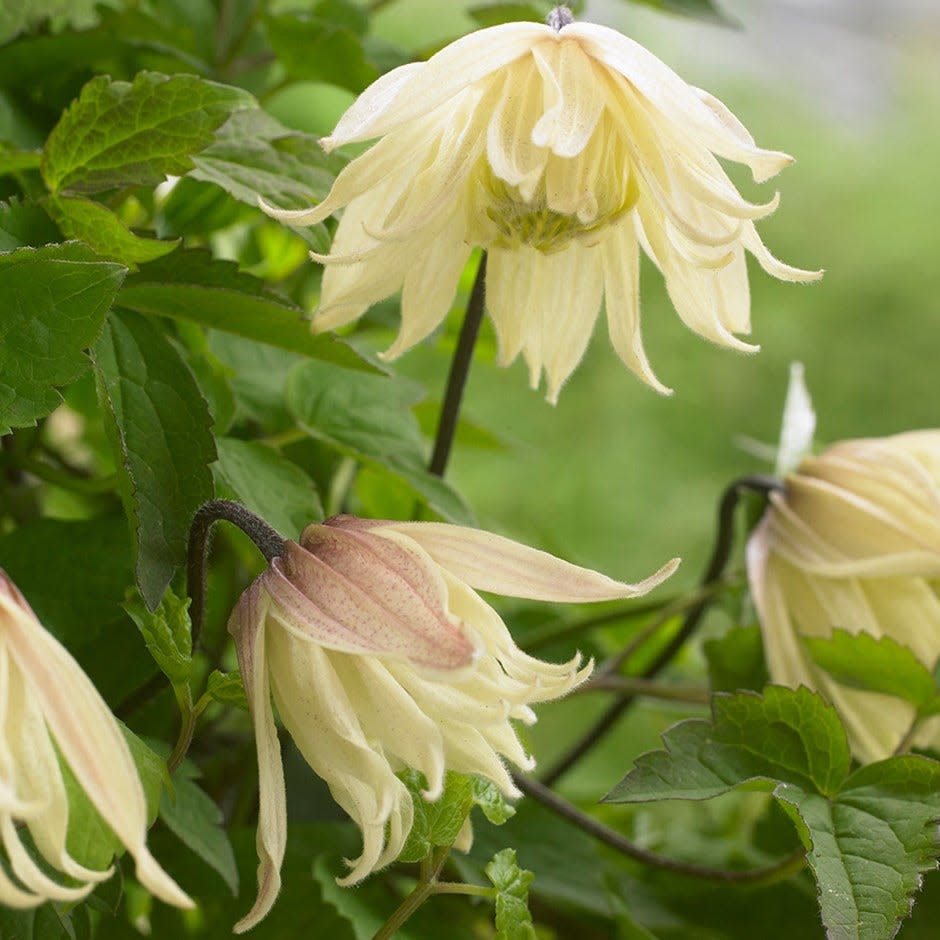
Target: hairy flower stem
column 269, row 542
column 427, row 885
column 459, row 370
column 779, row 871
column 713, row 573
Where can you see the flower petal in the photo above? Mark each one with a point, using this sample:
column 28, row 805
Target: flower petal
column 491, row 562
column 248, row 627
column 362, row 594
column 88, row 737
column 401, row 97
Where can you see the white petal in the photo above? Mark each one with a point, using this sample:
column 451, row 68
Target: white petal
column 490, row 562
column 430, row 286
column 798, row 425
column 510, row 276
column 89, row 740
column 703, row 120
column 393, row 101
column 621, row 258
column 573, row 97
column 249, row 628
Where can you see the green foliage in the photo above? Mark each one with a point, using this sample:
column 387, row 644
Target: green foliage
column 369, row 417
column 227, row 689
column 127, row 134
column 869, row 835
column 878, row 664
column 736, row 661
column 55, row 300
column 268, row 484
column 166, row 631
column 513, row 920
column 437, row 823
column 195, row 287
column 99, row 228
column 161, row 434
column 193, row 817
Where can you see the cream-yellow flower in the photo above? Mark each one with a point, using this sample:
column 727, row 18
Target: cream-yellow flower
column 562, row 150
column 370, row 638
column 50, row 711
column 853, row 542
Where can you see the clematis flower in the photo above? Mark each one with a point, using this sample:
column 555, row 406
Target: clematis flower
column 853, row 542
column 561, row 149
column 50, row 711
column 380, row 656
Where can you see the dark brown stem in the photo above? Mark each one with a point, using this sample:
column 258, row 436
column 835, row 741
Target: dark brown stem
column 459, row 370
column 269, row 542
column 620, row 843
column 713, row 572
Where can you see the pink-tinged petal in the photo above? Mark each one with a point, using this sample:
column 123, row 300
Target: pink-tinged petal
column 491, row 562
column 87, row 735
column 355, row 593
column 247, row 625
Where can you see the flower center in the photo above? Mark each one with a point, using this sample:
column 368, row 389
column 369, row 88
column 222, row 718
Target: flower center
column 559, row 209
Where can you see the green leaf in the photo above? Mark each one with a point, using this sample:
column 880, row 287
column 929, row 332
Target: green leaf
column 167, row 631
column 24, row 223
column 491, row 801
column 783, row 736
column 268, row 484
column 74, row 574
column 121, row 134
column 318, row 50
column 736, row 661
column 513, row 920
column 871, row 845
column 99, row 228
column 196, row 820
column 55, row 300
column 227, row 688
column 191, row 285
column 161, row 434
column 436, row 823
column 255, row 155
column 882, row 665
column 369, row 417
column 868, row 836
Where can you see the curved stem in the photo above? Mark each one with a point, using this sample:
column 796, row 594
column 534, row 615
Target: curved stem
column 426, row 886
column 755, row 876
column 268, row 540
column 459, row 370
column 646, row 688
column 713, row 572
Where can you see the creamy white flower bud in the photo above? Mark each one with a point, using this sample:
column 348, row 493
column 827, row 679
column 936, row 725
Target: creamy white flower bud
column 853, row 542
column 49, row 710
column 371, row 639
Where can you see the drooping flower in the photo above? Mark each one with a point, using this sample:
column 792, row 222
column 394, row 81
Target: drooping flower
column 370, row 638
column 562, row 150
column 853, row 542
column 49, row 710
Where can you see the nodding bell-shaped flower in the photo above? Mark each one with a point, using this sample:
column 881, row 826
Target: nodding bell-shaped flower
column 50, row 711
column 563, row 150
column 372, row 642
column 853, row 542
